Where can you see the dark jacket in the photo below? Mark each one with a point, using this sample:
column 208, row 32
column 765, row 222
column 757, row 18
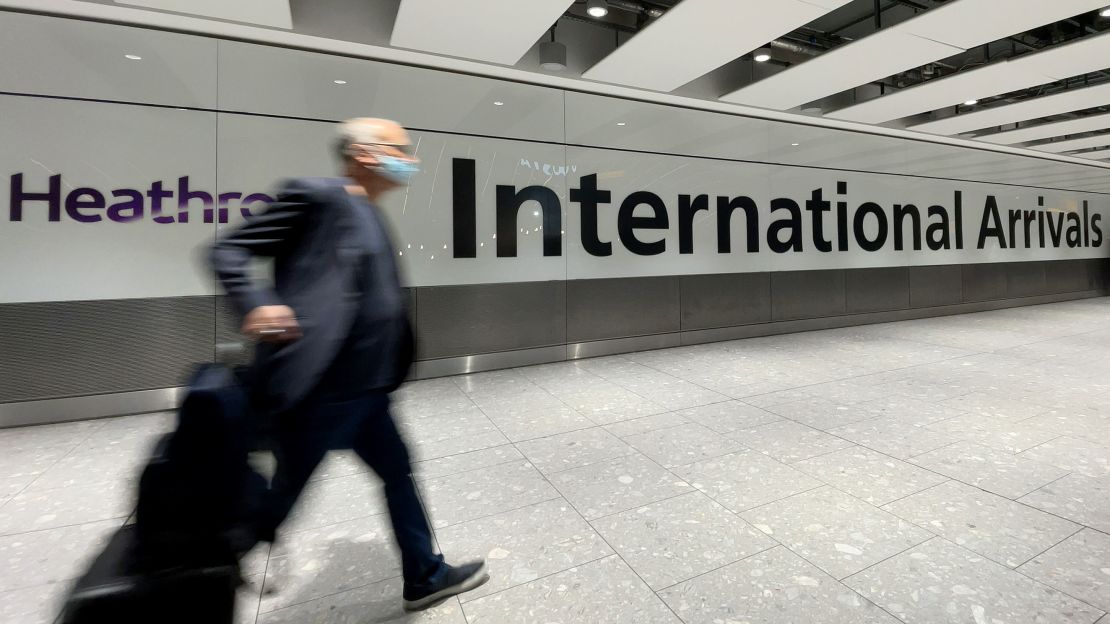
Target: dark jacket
column 316, row 234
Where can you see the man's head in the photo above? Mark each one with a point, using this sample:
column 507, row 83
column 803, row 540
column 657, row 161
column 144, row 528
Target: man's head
column 376, row 152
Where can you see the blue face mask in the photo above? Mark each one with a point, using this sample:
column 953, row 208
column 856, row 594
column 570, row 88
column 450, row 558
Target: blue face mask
column 397, row 170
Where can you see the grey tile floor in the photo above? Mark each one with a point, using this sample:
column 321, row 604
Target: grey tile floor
column 943, row 470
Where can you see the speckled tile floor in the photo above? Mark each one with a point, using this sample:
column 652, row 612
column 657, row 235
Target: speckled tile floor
column 943, row 470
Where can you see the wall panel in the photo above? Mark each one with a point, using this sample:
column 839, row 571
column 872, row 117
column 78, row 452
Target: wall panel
column 599, row 225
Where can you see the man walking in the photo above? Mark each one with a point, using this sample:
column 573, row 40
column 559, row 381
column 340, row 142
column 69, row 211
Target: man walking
column 334, row 340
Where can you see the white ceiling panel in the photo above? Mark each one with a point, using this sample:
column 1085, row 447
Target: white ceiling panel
column 495, row 31
column 1065, row 102
column 1058, row 147
column 1083, row 56
column 848, row 66
column 699, row 36
column 933, row 35
column 1090, row 123
column 274, row 13
column 969, row 23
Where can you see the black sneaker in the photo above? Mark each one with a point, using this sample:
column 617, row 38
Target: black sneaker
column 453, row 581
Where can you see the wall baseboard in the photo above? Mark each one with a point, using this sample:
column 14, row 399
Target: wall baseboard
column 48, row 411
column 119, row 404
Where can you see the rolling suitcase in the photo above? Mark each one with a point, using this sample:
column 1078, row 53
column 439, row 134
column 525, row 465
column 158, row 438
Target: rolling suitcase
column 179, row 562
column 117, row 589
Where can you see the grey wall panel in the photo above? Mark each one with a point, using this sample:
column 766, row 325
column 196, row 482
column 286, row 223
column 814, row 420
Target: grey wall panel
column 1098, row 270
column 60, row 349
column 725, row 300
column 807, row 294
column 876, row 290
column 620, row 308
column 1025, row 279
column 936, row 285
column 1067, row 276
column 983, row 282
column 486, row 318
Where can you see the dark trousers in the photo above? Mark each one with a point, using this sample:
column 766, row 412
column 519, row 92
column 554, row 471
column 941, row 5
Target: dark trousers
column 364, row 425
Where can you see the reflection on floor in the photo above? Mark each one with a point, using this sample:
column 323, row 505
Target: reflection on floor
column 942, row 470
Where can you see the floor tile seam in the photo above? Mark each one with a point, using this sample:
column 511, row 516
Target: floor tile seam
column 51, row 466
column 559, row 496
column 418, row 478
column 1077, row 531
column 593, row 528
column 990, row 558
column 777, row 500
column 882, row 372
column 932, row 536
column 976, row 554
column 776, row 544
column 1041, row 487
column 122, row 518
column 1060, row 591
column 884, row 506
column 631, row 451
column 321, row 527
column 262, row 585
column 298, row 603
column 463, row 600
column 593, row 425
column 1027, row 505
column 840, row 582
column 889, row 456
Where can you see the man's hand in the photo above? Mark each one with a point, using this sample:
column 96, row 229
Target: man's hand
column 274, row 323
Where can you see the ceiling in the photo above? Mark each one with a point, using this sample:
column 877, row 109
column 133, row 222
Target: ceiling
column 1039, row 70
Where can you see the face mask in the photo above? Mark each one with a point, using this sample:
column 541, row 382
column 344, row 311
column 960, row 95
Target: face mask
column 397, row 170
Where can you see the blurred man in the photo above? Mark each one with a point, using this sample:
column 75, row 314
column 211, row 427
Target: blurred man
column 335, row 339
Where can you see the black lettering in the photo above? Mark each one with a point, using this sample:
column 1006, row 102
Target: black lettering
column 842, row 218
column 687, row 208
column 1086, row 225
column 939, row 235
column 588, row 197
column 818, row 206
column 1095, row 218
column 1075, row 231
column 958, row 210
column 990, row 214
column 1057, row 229
column 1014, row 218
column 725, row 208
column 858, row 227
column 464, row 210
column 509, row 201
column 1028, row 216
column 900, row 214
column 627, row 223
column 793, row 223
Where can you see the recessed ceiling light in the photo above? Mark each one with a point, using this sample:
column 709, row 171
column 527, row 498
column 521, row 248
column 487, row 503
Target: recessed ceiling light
column 597, row 8
column 971, row 102
column 498, row 103
column 762, row 55
column 795, row 144
column 1105, row 12
column 621, row 123
column 133, row 57
column 340, row 81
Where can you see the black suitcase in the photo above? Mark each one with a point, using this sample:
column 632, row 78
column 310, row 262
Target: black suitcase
column 197, row 495
column 117, row 590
